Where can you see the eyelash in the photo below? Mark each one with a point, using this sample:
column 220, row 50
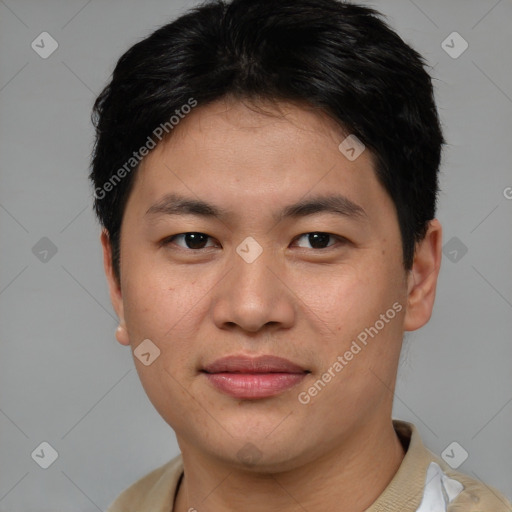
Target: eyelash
column 338, row 239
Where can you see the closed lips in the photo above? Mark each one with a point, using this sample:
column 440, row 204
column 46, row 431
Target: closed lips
column 261, row 364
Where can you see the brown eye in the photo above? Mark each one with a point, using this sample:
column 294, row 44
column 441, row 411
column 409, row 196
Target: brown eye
column 316, row 240
column 190, row 240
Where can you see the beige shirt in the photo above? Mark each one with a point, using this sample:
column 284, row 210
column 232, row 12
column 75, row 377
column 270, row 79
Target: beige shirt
column 423, row 483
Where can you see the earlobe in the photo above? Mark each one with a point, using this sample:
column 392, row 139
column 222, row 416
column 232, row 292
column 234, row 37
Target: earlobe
column 122, row 334
column 422, row 279
column 114, row 288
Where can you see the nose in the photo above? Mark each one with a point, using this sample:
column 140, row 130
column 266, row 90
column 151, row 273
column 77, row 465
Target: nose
column 254, row 296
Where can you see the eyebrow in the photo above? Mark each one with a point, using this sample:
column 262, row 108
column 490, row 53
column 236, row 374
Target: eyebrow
column 174, row 204
column 337, row 204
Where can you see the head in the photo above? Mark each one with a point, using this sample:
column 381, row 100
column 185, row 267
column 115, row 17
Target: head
column 298, row 145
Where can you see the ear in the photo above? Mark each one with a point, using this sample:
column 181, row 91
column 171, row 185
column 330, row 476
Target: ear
column 114, row 286
column 422, row 278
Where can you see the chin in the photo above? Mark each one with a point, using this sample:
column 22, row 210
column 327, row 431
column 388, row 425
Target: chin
column 258, row 454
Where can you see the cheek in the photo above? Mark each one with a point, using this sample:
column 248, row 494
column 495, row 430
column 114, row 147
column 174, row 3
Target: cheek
column 153, row 293
column 346, row 299
column 346, row 307
column 169, row 307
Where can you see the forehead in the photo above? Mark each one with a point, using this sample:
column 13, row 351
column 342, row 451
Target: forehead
column 253, row 156
column 228, row 125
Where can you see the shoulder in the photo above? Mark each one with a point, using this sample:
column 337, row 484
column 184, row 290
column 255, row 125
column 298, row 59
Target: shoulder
column 152, row 492
column 439, row 486
column 475, row 496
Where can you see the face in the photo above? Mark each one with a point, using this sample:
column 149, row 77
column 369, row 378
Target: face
column 250, row 235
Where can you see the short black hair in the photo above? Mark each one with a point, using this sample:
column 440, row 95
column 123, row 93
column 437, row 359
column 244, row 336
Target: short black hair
column 336, row 56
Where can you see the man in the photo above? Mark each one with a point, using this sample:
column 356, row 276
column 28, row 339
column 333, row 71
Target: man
column 266, row 176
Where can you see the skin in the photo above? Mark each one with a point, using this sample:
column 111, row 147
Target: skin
column 302, row 303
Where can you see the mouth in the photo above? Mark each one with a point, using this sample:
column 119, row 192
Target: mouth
column 248, row 378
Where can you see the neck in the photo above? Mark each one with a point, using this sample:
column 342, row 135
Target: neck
column 354, row 474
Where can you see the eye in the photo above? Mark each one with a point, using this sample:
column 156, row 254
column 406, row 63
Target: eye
column 317, row 240
column 191, row 240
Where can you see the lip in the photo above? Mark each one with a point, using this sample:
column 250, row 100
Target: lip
column 246, row 364
column 245, row 377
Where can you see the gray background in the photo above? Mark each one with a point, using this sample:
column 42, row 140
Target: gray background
column 63, row 377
